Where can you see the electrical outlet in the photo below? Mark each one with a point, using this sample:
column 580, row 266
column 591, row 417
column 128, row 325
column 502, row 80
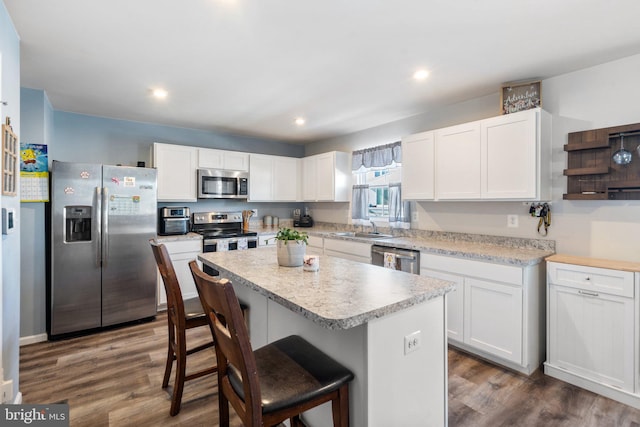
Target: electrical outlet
column 512, row 221
column 412, row 342
column 255, row 212
column 7, row 391
column 414, row 216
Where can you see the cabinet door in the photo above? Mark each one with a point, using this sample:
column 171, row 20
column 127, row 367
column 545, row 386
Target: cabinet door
column 236, row 161
column 457, row 155
column 261, row 178
column 455, row 303
column 354, row 251
column 309, row 173
column 509, row 159
column 418, row 163
column 176, row 165
column 493, row 318
column 285, row 179
column 210, row 159
column 592, row 334
column 325, row 176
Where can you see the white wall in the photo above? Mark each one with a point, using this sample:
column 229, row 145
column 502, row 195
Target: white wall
column 601, row 96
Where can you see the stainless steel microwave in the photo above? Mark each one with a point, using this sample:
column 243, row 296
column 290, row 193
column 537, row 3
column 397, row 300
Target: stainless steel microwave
column 222, row 184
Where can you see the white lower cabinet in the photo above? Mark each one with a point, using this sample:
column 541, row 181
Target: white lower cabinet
column 354, row 251
column 496, row 311
column 182, row 252
column 592, row 328
column 493, row 320
column 267, row 240
column 315, row 245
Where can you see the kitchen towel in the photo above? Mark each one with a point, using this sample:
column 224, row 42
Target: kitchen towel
column 243, row 243
column 222, row 245
column 390, row 260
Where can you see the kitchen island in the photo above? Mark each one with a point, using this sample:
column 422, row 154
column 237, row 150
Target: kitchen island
column 388, row 327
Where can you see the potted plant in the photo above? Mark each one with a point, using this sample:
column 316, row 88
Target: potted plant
column 291, row 247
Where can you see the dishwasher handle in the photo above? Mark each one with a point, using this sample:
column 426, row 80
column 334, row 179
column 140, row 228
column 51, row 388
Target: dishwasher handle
column 412, row 257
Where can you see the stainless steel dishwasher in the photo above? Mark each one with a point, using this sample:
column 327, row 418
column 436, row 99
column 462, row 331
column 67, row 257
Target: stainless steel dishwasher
column 403, row 259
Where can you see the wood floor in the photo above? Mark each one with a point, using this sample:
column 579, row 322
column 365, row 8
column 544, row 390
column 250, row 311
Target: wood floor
column 114, row 379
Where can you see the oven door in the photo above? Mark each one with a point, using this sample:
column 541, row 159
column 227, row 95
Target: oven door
column 226, row 244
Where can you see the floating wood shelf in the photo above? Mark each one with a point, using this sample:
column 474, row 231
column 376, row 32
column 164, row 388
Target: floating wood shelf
column 587, row 171
column 591, row 172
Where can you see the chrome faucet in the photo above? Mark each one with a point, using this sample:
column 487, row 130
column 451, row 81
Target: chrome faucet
column 375, row 228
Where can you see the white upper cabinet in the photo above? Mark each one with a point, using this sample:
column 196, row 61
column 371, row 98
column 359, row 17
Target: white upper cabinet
column 506, row 157
column 326, row 177
column 418, row 166
column 273, row 178
column 209, row 158
column 457, row 154
column 176, row 165
column 515, row 161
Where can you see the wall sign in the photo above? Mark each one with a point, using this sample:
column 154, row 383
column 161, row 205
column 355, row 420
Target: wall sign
column 520, row 96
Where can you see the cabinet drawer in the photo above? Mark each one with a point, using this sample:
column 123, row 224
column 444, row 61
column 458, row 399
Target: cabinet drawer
column 592, row 279
column 180, row 246
column 316, row 242
column 347, row 247
column 482, row 270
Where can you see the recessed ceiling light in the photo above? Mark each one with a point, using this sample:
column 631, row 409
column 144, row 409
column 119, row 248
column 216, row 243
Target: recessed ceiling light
column 300, row 121
column 160, row 93
column 421, row 74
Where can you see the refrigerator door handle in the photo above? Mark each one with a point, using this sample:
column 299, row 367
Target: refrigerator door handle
column 105, row 226
column 97, row 229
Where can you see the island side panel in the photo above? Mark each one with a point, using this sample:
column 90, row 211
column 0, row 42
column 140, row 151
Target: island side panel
column 408, row 389
column 347, row 346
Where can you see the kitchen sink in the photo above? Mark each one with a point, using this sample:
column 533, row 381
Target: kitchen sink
column 361, row 234
column 372, row 235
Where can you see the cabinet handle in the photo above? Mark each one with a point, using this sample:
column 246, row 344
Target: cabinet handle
column 587, row 278
column 591, row 294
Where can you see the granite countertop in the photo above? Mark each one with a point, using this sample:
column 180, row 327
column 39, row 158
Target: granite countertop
column 502, row 250
column 498, row 249
column 179, row 237
column 343, row 294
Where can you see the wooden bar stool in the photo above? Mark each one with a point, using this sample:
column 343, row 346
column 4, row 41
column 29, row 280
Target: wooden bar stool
column 273, row 383
column 181, row 315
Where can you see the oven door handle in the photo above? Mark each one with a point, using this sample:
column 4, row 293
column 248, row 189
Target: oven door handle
column 230, row 240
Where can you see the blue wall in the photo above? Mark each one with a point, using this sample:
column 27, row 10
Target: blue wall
column 80, row 138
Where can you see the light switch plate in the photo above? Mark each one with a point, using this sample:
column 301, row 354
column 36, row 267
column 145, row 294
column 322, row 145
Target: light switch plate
column 8, row 220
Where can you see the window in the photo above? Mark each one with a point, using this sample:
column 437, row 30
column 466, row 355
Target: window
column 378, row 179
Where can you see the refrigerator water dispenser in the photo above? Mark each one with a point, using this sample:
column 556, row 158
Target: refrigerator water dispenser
column 77, row 223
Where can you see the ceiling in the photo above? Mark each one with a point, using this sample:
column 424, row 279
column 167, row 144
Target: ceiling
column 251, row 67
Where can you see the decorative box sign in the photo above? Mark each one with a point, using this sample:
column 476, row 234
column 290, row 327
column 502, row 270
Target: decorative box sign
column 521, row 96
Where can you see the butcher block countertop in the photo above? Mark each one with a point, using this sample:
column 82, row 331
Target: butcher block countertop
column 595, row 262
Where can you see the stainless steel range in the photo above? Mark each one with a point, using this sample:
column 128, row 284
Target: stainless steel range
column 222, row 231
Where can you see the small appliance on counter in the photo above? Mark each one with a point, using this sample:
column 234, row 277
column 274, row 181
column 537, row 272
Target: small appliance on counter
column 173, row 220
column 306, row 220
column 296, row 217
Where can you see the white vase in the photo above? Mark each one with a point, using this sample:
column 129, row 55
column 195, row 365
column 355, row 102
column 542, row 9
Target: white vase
column 291, row 253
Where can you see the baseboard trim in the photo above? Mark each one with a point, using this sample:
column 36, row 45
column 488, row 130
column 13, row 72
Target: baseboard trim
column 621, row 396
column 18, row 399
column 33, row 339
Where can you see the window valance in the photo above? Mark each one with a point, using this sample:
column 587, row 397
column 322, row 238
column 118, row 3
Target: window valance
column 382, row 155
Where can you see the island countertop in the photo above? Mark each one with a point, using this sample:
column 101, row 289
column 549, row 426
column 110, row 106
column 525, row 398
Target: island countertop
column 341, row 295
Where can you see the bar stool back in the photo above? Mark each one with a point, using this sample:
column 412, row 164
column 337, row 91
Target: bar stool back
column 273, row 383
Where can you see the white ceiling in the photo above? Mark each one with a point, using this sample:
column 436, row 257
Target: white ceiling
column 251, row 66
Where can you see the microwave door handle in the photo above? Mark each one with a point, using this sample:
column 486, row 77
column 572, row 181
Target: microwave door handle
column 97, row 227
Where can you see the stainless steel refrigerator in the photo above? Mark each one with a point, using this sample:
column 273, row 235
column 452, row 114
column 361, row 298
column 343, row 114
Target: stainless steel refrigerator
column 102, row 268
